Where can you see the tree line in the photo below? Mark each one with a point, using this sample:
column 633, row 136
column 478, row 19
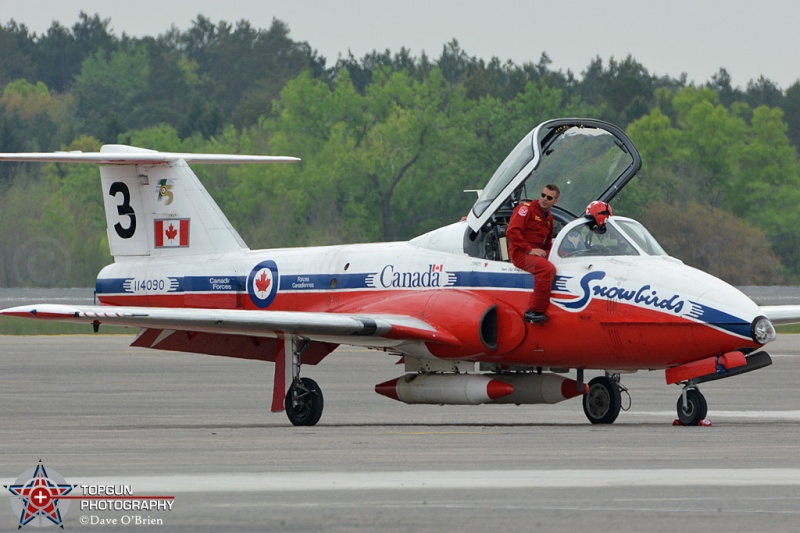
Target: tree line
column 388, row 141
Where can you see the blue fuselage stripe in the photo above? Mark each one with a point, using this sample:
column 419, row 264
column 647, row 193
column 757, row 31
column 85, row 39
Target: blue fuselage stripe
column 318, row 282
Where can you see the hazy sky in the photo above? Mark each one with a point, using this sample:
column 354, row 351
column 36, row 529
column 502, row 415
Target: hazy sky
column 748, row 38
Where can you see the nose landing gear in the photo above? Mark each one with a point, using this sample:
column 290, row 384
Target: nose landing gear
column 692, row 406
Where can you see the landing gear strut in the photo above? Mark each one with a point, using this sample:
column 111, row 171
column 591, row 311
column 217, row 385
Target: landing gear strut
column 603, row 401
column 303, row 402
column 692, row 406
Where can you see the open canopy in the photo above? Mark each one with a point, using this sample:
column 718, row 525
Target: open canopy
column 588, row 159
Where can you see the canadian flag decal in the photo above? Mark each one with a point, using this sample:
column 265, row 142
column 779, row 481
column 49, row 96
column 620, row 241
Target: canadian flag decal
column 172, row 233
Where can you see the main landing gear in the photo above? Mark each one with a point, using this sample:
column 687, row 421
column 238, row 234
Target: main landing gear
column 604, row 400
column 303, row 402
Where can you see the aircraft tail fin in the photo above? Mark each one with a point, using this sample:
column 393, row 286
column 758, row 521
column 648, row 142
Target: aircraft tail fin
column 161, row 209
column 154, row 203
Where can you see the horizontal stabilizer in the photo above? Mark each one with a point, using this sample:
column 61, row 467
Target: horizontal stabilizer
column 116, row 155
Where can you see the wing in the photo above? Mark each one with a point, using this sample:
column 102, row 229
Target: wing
column 370, row 330
column 782, row 314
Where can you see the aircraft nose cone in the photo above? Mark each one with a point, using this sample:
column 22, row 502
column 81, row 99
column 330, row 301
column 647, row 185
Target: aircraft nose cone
column 762, row 330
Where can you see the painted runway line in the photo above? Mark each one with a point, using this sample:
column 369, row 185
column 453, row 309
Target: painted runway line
column 788, row 416
column 450, row 479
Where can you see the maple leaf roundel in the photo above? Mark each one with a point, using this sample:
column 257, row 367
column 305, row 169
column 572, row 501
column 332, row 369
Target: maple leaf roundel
column 262, row 283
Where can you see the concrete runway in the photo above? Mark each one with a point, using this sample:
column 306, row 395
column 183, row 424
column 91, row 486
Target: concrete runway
column 199, row 428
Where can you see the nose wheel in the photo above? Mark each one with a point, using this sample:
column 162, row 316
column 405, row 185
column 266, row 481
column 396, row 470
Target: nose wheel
column 692, row 406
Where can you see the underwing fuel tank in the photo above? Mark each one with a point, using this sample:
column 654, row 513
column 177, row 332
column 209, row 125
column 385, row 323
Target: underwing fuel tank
column 448, row 389
column 474, row 389
column 540, row 388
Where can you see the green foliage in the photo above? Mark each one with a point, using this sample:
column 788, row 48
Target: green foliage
column 662, row 154
column 58, row 53
column 710, row 155
column 52, row 226
column 106, row 88
column 16, row 50
column 32, row 118
column 248, row 67
column 791, row 112
column 366, row 157
column 716, row 242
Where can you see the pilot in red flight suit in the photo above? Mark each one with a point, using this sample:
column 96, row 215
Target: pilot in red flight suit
column 530, row 235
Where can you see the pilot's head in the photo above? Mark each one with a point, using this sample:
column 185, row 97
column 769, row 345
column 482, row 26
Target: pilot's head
column 549, row 196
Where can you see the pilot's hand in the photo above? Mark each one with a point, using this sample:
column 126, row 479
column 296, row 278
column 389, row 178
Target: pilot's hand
column 538, row 251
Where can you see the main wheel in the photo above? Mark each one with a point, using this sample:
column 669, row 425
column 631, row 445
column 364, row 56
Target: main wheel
column 696, row 408
column 304, row 402
column 603, row 401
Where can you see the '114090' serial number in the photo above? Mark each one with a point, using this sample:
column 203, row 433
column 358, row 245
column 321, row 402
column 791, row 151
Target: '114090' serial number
column 148, row 285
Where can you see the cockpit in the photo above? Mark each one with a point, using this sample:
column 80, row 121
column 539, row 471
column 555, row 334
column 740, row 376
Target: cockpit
column 587, row 159
column 622, row 237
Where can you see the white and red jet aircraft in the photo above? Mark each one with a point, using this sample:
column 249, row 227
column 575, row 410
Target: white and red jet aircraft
column 449, row 301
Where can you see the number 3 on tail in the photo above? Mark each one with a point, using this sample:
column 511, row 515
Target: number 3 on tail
column 124, row 209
